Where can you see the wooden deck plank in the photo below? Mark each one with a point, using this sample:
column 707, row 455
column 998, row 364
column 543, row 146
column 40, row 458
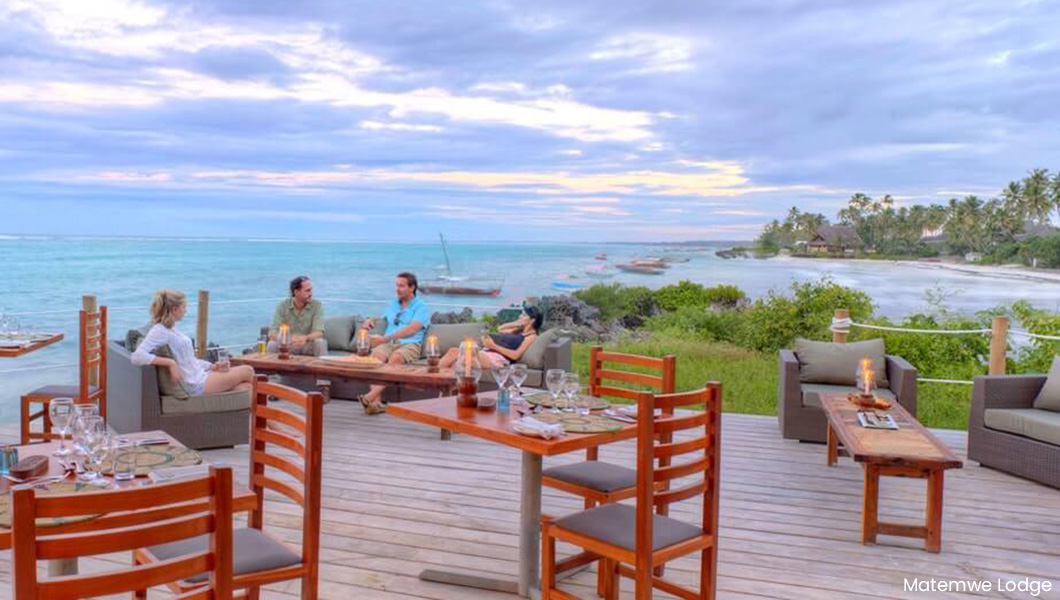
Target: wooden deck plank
column 397, row 500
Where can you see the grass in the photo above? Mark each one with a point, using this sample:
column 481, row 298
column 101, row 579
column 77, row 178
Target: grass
column 749, row 378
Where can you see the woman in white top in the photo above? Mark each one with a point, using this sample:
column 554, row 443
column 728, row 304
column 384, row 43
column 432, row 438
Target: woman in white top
column 197, row 376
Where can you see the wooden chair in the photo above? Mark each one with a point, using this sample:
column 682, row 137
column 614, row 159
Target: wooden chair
column 93, row 360
column 130, row 518
column 632, row 541
column 259, row 558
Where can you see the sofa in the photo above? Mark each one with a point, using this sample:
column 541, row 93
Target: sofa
column 799, row 411
column 551, row 350
column 1010, row 430
column 135, row 403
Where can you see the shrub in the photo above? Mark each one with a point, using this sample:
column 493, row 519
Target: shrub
column 1036, row 356
column 937, row 356
column 699, row 324
column 773, row 322
column 727, row 296
column 628, row 305
column 684, row 294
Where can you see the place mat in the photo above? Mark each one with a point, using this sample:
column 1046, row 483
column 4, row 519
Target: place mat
column 66, row 486
column 154, row 458
column 545, row 399
column 581, row 424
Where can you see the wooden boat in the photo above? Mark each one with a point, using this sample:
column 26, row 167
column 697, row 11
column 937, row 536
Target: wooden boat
column 451, row 285
column 642, row 269
column 599, row 272
column 655, row 263
column 600, row 256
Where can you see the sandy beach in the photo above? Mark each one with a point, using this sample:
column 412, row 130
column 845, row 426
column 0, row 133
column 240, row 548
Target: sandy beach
column 1012, row 271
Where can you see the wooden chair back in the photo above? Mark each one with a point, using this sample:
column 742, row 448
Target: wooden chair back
column 296, row 471
column 655, row 444
column 604, row 370
column 93, row 362
column 151, row 511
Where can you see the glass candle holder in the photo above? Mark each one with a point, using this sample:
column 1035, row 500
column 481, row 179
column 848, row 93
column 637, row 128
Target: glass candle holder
column 364, row 348
column 285, row 341
column 468, row 372
column 432, row 354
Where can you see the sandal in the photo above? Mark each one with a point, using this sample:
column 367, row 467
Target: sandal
column 364, row 401
column 374, row 408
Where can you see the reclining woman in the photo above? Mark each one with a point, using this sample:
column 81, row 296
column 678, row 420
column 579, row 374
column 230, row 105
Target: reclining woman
column 197, row 377
column 508, row 345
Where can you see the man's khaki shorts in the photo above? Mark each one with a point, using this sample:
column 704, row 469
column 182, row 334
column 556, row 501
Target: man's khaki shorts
column 409, row 352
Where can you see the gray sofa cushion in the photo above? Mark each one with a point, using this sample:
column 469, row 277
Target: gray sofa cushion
column 595, row 475
column 534, row 357
column 1049, row 397
column 811, row 392
column 616, row 524
column 338, row 331
column 209, row 403
column 451, row 334
column 826, row 362
column 252, row 551
column 1041, row 425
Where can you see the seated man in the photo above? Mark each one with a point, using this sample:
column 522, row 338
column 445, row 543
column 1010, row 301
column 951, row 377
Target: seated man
column 304, row 318
column 407, row 317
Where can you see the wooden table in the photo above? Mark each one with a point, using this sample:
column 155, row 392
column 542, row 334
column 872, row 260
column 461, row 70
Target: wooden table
column 496, row 427
column 9, row 352
column 910, row 451
column 243, row 499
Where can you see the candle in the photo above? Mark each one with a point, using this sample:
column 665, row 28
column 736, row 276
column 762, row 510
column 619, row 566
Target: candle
column 284, row 331
column 469, row 353
column 362, row 337
column 432, row 345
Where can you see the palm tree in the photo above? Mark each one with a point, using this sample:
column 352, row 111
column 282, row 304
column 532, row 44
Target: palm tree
column 1055, row 189
column 1013, row 198
column 1037, row 196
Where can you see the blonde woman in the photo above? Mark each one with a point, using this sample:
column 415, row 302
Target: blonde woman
column 197, row 376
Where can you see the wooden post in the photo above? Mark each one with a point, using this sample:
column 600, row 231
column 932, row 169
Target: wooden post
column 998, row 345
column 201, row 319
column 840, row 337
column 89, row 304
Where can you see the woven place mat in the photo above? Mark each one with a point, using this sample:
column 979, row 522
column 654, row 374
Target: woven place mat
column 581, row 424
column 545, row 399
column 50, row 489
column 154, row 458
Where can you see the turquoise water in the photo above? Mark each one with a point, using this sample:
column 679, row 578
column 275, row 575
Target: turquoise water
column 46, row 275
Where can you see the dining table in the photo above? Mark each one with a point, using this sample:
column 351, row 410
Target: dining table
column 32, row 342
column 243, row 499
column 497, row 427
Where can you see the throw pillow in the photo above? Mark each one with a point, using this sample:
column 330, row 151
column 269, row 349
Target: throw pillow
column 1049, row 397
column 166, row 385
column 837, row 364
column 451, row 334
column 534, row 357
column 132, row 339
column 338, row 331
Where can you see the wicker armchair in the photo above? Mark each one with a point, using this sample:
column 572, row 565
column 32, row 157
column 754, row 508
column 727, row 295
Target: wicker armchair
column 1019, row 455
column 799, row 413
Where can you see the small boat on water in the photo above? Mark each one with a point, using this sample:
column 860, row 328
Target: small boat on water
column 674, row 258
column 567, row 282
column 655, row 263
column 451, row 285
column 600, row 256
column 599, row 272
column 642, row 269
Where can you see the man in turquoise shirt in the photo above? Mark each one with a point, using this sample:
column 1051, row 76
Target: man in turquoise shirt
column 407, row 317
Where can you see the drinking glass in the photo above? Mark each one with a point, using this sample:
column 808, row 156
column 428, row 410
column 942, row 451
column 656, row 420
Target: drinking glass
column 61, row 413
column 92, row 435
column 223, row 356
column 81, row 413
column 518, row 376
column 554, row 379
column 125, row 460
column 570, row 390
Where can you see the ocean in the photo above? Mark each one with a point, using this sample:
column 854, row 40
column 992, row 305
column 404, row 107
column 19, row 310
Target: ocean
column 44, row 278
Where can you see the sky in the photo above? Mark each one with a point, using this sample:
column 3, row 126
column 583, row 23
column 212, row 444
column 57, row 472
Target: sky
column 617, row 120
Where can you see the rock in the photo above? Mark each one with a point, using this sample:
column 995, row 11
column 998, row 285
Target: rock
column 464, row 316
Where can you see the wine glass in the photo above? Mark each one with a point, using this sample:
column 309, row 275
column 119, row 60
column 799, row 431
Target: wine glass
column 554, row 380
column 90, row 437
column 501, row 373
column 61, row 413
column 570, row 390
column 81, row 412
column 518, row 376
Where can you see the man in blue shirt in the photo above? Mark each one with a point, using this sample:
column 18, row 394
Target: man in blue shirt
column 406, row 319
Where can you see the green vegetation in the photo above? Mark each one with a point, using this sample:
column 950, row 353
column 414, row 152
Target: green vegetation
column 718, row 338
column 970, row 224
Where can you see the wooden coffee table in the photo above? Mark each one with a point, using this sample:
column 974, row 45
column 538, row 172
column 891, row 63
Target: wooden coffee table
column 910, row 451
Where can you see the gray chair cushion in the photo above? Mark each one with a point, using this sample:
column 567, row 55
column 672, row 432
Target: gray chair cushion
column 837, row 364
column 616, row 524
column 210, row 403
column 61, row 391
column 338, row 331
column 811, row 392
column 595, row 475
column 1042, row 425
column 252, row 551
column 451, row 334
column 166, row 385
column 534, row 357
column 1049, row 397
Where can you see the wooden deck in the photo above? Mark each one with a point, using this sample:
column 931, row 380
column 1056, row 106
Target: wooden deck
column 398, row 500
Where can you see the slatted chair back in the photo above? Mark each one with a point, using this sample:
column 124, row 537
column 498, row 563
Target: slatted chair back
column 657, row 449
column 152, row 509
column 93, row 363
column 605, row 368
column 286, row 455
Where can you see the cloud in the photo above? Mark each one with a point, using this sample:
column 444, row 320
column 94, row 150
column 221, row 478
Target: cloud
column 652, row 52
column 376, row 126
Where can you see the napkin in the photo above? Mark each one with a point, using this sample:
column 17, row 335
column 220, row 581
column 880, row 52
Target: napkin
column 531, row 426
